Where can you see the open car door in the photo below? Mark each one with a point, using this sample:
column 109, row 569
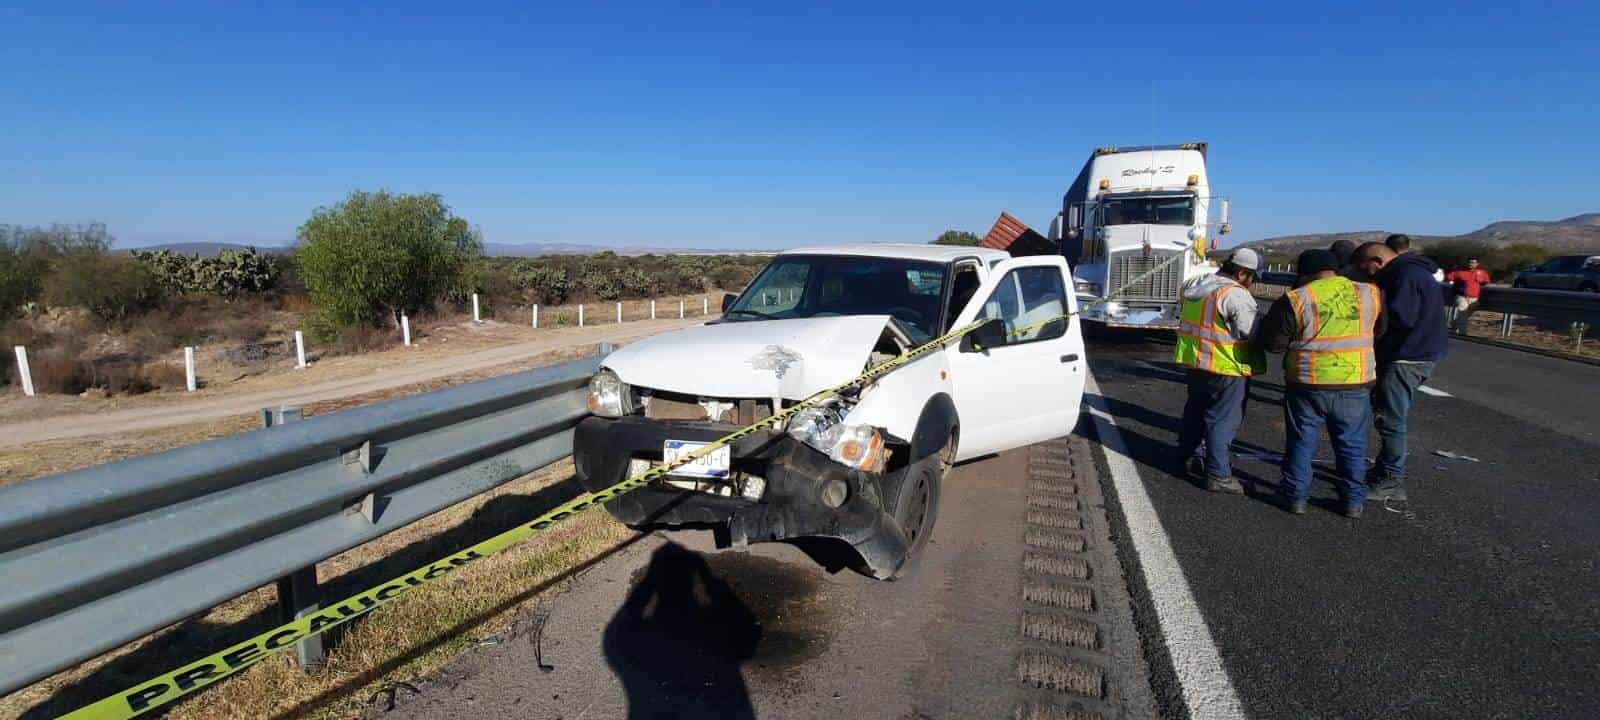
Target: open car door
column 1027, row 387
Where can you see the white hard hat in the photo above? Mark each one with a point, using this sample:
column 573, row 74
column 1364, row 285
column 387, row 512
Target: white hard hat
column 1246, row 258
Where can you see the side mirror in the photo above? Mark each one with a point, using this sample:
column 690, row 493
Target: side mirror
column 988, row 335
column 1074, row 233
column 728, row 300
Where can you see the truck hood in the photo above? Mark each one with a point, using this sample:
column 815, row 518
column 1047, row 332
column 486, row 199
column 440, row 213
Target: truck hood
column 1162, row 237
column 790, row 359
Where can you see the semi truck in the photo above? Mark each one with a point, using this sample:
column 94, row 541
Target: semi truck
column 1129, row 211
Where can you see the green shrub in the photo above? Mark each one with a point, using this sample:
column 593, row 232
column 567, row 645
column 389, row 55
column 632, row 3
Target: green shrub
column 730, row 277
column 541, row 283
column 376, row 255
column 21, row 279
column 229, row 274
column 113, row 288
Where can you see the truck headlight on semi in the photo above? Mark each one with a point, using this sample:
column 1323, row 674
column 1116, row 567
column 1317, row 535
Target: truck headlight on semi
column 609, row 396
column 1084, row 287
column 857, row 446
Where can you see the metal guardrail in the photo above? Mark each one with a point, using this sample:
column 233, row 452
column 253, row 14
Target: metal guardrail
column 95, row 558
column 1543, row 304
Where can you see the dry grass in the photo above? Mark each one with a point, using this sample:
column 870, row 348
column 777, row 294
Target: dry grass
column 414, row 635
column 1555, row 337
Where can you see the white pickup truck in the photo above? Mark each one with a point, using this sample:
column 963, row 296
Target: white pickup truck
column 864, row 469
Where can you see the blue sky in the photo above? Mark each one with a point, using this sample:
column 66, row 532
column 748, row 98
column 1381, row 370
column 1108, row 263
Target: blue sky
column 723, row 126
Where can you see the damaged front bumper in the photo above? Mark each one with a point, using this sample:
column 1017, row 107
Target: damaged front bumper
column 791, row 505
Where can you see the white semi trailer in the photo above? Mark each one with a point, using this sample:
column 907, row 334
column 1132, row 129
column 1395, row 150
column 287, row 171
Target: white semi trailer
column 1129, row 211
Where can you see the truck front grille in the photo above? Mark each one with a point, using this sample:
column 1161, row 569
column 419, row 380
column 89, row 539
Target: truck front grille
column 1162, row 285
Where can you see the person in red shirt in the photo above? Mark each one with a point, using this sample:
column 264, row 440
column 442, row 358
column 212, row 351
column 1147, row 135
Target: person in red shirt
column 1468, row 282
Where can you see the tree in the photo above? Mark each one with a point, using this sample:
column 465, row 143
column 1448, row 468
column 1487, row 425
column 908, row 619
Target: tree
column 957, row 237
column 377, row 255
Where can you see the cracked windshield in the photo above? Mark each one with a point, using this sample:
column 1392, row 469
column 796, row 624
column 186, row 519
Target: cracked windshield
column 831, row 286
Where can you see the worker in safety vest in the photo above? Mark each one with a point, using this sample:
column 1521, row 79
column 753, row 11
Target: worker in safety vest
column 1325, row 329
column 1214, row 329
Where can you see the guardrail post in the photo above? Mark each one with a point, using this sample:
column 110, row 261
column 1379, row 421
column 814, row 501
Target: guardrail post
column 1505, row 324
column 299, row 594
column 23, row 371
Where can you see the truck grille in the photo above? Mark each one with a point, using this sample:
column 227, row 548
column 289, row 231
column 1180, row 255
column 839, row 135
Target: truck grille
column 1163, row 285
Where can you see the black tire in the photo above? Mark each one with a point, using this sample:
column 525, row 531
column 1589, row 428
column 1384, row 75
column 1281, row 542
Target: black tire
column 916, row 501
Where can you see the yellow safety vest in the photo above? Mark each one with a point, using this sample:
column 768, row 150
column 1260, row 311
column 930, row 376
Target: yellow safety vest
column 1336, row 317
column 1204, row 342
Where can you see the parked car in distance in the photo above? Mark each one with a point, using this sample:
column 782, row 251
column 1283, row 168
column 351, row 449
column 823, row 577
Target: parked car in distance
column 863, row 469
column 1565, row 272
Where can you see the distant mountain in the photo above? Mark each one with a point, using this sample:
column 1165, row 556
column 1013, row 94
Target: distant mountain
column 1576, row 234
column 210, row 248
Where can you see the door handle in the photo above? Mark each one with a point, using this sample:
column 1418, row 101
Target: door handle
column 1069, row 358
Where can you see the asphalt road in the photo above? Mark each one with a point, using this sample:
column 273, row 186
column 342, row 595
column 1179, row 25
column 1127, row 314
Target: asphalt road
column 1475, row 599
column 989, row 623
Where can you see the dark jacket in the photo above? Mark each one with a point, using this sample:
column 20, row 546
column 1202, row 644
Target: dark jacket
column 1414, row 302
column 1280, row 327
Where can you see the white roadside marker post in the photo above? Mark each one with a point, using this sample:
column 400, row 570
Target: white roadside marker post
column 299, row 350
column 705, row 304
column 652, row 309
column 580, row 314
column 188, row 367
column 475, row 316
column 405, row 329
column 619, row 312
column 536, row 317
column 680, row 309
column 23, row 371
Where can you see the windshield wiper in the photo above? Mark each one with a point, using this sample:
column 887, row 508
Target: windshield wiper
column 756, row 313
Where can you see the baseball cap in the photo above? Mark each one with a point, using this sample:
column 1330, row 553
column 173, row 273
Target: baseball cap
column 1314, row 261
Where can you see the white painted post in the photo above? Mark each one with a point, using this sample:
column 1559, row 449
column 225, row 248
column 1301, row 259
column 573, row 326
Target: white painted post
column 705, row 305
column 24, row 372
column 580, row 314
column 405, row 329
column 536, row 317
column 475, row 316
column 680, row 309
column 188, row 367
column 619, row 312
column 652, row 309
column 299, row 350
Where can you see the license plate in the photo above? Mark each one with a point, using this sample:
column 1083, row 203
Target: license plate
column 714, row 465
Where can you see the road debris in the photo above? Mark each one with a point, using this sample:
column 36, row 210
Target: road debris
column 1455, row 456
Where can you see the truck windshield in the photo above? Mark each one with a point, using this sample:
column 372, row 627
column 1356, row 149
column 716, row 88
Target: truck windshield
column 1149, row 210
column 805, row 286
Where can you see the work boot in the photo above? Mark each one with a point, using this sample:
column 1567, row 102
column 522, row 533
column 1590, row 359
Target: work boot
column 1195, row 466
column 1387, row 489
column 1224, row 485
column 1352, row 510
column 1294, row 507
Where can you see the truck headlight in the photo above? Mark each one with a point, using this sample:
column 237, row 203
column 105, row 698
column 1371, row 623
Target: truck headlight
column 609, row 396
column 857, row 446
column 1084, row 287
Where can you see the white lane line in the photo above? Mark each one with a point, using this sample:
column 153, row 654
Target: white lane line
column 1436, row 392
column 1206, row 688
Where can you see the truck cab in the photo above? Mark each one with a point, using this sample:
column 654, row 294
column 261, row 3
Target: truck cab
column 1129, row 212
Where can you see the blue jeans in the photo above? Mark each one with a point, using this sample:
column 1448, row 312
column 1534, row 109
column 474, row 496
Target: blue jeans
column 1391, row 403
column 1346, row 413
column 1212, row 413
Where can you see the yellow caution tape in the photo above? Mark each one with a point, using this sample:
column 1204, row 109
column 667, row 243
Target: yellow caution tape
column 194, row 676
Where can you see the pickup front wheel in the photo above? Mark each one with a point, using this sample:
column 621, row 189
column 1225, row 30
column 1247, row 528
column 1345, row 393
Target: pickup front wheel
column 916, row 504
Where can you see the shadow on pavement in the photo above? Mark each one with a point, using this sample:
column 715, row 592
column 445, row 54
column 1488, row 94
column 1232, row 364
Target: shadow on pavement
column 678, row 640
